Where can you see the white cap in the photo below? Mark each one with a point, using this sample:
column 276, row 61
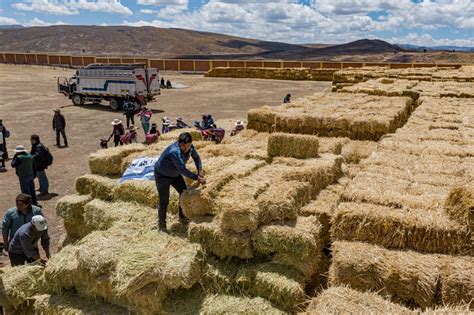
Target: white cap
column 20, row 148
column 39, row 222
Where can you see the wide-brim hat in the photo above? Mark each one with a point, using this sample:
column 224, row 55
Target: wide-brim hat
column 167, row 123
column 116, row 122
column 19, row 148
column 239, row 123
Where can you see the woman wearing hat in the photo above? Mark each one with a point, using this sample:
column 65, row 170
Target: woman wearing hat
column 238, row 127
column 153, row 134
column 118, row 131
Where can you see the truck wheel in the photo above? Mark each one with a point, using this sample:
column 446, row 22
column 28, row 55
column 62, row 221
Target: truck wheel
column 115, row 104
column 77, row 100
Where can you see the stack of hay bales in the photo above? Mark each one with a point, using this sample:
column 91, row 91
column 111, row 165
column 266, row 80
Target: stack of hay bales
column 273, row 73
column 385, row 87
column 445, row 89
column 108, row 162
column 336, row 115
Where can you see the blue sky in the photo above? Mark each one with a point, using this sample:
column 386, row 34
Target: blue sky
column 420, row 22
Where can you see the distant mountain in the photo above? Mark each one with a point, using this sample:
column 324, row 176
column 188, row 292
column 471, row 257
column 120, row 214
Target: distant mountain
column 11, row 26
column 431, row 48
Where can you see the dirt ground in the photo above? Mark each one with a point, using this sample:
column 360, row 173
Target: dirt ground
column 28, row 95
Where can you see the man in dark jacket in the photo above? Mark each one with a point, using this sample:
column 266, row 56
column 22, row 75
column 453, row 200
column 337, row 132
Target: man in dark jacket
column 23, row 247
column 59, row 125
column 40, row 154
column 15, row 217
column 5, row 133
column 129, row 110
column 169, row 170
column 25, row 167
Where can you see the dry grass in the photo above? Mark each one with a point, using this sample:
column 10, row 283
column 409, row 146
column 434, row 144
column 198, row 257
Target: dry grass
column 273, row 73
column 460, row 206
column 445, row 89
column 457, row 281
column 97, row 186
column 109, row 161
column 228, row 304
column 428, row 232
column 355, row 151
column 385, row 87
column 21, row 283
column 332, row 145
column 290, row 145
column 406, row 277
column 71, row 209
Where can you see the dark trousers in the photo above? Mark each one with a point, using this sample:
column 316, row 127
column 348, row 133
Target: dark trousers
column 163, row 184
column 61, row 132
column 19, row 259
column 130, row 118
column 117, row 140
column 27, row 186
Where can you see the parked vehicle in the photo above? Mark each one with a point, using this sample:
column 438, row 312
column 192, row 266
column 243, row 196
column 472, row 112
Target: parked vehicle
column 110, row 82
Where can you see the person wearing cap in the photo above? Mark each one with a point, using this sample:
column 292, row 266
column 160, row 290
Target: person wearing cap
column 169, row 171
column 40, row 153
column 15, row 217
column 180, row 124
column 118, row 131
column 287, row 98
column 23, row 247
column 145, row 116
column 238, row 127
column 25, row 167
column 59, row 125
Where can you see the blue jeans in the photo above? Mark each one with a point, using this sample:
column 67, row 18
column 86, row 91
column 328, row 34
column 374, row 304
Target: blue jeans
column 43, row 181
column 27, row 186
column 146, row 127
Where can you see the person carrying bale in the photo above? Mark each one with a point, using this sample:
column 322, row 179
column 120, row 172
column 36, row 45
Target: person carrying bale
column 117, row 132
column 169, row 171
column 15, row 217
column 23, row 247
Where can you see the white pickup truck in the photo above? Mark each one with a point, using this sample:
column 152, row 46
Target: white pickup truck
column 107, row 82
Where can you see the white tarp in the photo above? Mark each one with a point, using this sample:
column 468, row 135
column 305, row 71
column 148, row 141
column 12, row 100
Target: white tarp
column 140, row 169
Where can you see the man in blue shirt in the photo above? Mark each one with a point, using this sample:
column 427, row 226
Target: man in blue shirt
column 169, row 171
column 23, row 247
column 17, row 216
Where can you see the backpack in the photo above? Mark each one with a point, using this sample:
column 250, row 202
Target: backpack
column 48, row 157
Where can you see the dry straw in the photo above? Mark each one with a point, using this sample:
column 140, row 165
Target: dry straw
column 109, row 161
column 406, row 277
column 273, row 73
column 296, row 146
column 97, row 186
column 385, row 87
column 460, row 206
column 71, row 209
column 429, row 232
column 229, row 304
column 20, row 283
column 355, row 151
column 457, row 281
column 173, row 135
column 445, row 89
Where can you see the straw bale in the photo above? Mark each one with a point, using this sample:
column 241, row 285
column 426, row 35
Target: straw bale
column 354, row 151
column 331, row 145
column 279, row 284
column 261, row 119
column 423, row 231
column 253, row 148
column 21, row 283
column 61, row 269
column 406, row 277
column 457, row 281
column 71, row 209
column 173, row 135
column 97, row 186
column 220, row 242
column 242, row 137
column 297, row 146
column 220, row 276
column 297, row 243
column 109, row 161
column 385, row 87
column 70, row 304
column 199, row 200
column 228, row 304
column 343, row 300
column 460, row 206
column 445, row 89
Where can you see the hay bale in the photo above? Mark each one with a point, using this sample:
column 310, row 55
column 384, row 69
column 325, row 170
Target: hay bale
column 385, row 87
column 297, row 243
column 253, row 148
column 406, row 277
column 343, row 300
column 459, row 206
column 21, row 283
column 279, row 284
column 173, row 135
column 109, row 161
column 331, row 145
column 61, row 269
column 71, row 209
column 399, row 228
column 228, row 304
column 97, row 186
column 354, row 151
column 70, row 304
column 198, row 200
column 261, row 119
column 457, row 282
column 296, row 146
column 220, row 242
column 220, row 276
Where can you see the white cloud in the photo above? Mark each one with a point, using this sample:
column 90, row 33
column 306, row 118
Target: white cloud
column 37, row 22
column 147, row 11
column 163, row 2
column 428, row 40
column 72, row 7
column 8, row 21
